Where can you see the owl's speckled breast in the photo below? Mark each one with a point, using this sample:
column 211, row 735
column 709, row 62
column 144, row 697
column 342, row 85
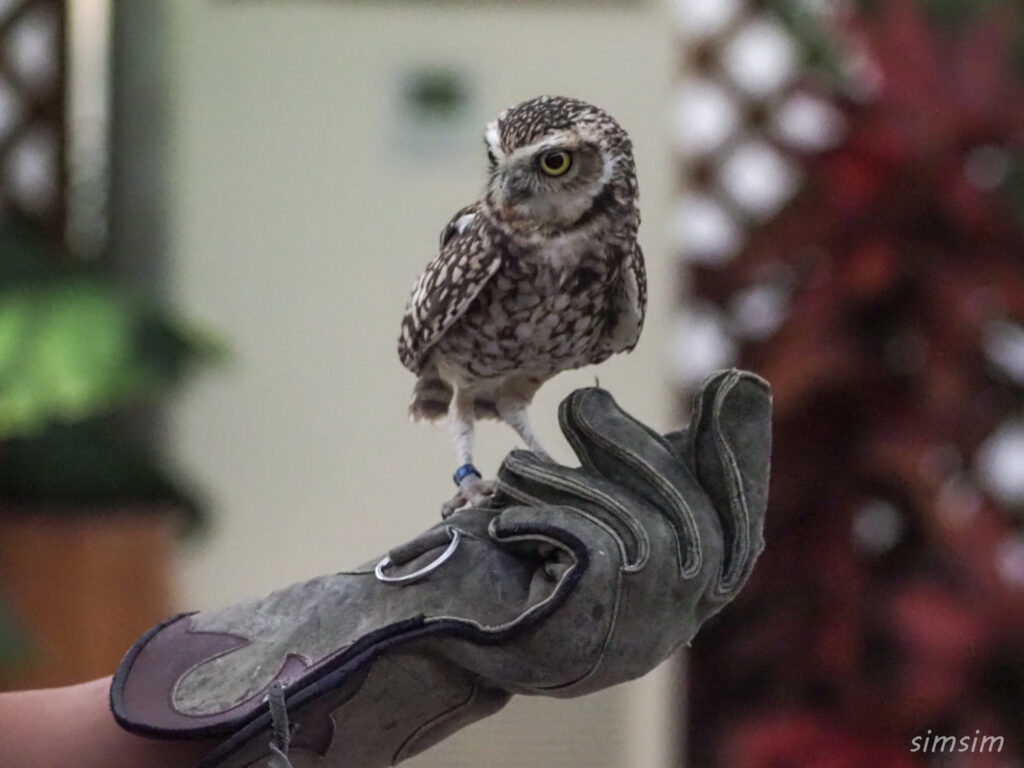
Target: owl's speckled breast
column 534, row 317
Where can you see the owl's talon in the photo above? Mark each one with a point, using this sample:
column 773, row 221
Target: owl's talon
column 473, row 492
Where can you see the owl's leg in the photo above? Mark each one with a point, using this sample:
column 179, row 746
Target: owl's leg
column 513, row 412
column 472, row 490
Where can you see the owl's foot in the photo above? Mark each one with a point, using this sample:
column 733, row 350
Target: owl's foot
column 473, row 491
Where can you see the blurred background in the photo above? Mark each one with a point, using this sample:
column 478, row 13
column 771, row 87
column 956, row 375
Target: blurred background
column 212, row 213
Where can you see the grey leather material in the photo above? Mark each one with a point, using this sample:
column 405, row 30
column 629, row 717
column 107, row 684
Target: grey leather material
column 575, row 579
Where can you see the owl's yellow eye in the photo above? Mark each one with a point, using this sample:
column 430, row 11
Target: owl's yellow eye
column 555, row 163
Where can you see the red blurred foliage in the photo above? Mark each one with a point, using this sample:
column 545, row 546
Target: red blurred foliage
column 903, row 248
column 799, row 740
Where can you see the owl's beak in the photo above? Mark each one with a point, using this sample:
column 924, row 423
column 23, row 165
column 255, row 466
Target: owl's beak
column 514, row 191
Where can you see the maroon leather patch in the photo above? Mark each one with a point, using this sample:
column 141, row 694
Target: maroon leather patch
column 141, row 696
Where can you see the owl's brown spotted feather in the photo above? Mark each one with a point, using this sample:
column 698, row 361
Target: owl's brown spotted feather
column 510, row 301
column 447, row 287
column 628, row 307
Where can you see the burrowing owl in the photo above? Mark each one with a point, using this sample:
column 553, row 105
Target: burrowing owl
column 542, row 275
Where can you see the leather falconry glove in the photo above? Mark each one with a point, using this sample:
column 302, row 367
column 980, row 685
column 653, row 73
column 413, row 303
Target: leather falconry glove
column 574, row 580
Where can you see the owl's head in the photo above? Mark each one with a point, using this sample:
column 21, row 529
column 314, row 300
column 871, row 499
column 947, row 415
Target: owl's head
column 555, row 162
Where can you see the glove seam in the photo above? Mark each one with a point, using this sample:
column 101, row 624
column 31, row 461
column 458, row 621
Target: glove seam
column 732, row 571
column 602, row 654
column 615, row 612
column 424, row 729
column 534, row 472
column 689, row 564
column 536, row 607
column 577, row 445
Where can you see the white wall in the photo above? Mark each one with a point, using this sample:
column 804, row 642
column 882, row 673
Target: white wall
column 297, row 227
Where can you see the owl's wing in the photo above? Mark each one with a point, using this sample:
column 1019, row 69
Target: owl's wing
column 629, row 305
column 449, row 284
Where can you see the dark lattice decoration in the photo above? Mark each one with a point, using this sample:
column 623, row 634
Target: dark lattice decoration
column 746, row 119
column 885, row 303
column 32, row 111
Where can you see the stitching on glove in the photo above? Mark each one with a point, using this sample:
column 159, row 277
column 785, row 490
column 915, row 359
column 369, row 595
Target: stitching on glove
column 422, row 730
column 733, row 568
column 627, row 565
column 617, row 591
column 578, row 446
column 689, row 563
column 612, row 624
column 589, row 493
column 580, row 562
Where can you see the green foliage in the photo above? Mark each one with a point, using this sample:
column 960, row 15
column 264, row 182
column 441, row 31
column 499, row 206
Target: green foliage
column 73, row 346
column 90, row 465
column 822, row 52
column 71, row 350
column 949, row 12
column 76, row 351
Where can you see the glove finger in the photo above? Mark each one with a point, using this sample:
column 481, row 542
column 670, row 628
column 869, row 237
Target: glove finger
column 577, row 553
column 529, row 481
column 611, row 443
column 730, row 448
column 578, row 542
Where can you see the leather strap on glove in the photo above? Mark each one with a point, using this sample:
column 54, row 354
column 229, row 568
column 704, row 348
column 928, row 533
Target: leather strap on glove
column 574, row 580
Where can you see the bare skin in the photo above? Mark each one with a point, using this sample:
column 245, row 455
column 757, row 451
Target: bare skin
column 72, row 726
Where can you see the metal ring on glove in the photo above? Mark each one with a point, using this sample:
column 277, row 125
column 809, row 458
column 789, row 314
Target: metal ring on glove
column 428, row 568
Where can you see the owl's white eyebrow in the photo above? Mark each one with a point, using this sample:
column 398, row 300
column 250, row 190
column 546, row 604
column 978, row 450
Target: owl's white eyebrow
column 494, row 140
column 550, row 141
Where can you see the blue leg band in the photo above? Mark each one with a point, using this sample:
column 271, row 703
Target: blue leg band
column 463, row 472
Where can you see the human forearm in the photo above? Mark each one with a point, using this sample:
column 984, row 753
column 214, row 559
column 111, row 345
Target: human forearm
column 58, row 727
